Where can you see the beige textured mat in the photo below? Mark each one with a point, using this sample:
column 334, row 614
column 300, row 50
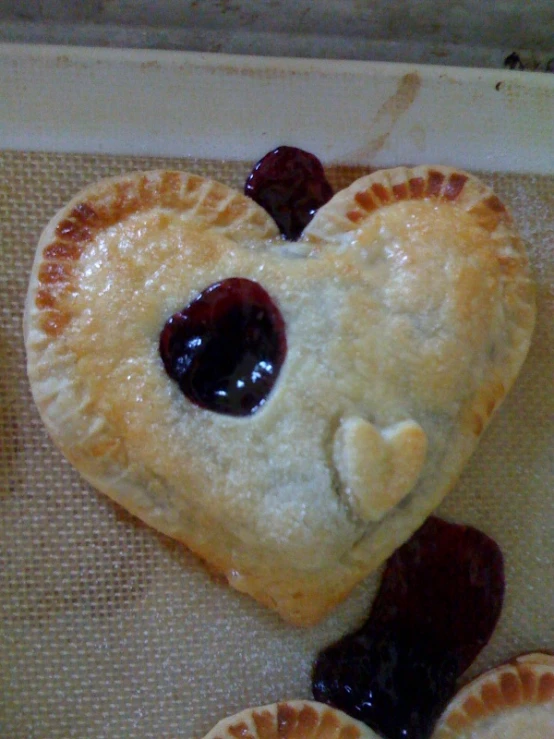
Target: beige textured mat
column 110, row 630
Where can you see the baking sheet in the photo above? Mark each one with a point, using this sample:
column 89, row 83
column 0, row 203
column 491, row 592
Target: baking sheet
column 107, row 628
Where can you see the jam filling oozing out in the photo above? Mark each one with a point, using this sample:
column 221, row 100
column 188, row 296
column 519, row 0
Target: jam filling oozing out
column 226, row 348
column 291, row 185
column 437, row 606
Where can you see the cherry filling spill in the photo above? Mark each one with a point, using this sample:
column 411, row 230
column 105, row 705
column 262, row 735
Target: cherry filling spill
column 226, row 348
column 436, row 608
column 291, row 185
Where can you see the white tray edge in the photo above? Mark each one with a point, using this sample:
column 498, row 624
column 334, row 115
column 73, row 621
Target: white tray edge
column 188, row 104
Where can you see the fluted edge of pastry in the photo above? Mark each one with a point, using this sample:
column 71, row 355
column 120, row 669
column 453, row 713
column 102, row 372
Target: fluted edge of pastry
column 523, row 684
column 289, row 719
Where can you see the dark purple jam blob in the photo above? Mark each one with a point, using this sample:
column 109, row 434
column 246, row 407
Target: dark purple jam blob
column 437, row 606
column 226, row 348
column 291, row 185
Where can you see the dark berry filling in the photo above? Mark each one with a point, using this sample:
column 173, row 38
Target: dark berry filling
column 437, row 606
column 291, row 185
column 226, row 348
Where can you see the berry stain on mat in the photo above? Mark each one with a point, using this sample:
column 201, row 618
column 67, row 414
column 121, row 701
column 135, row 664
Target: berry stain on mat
column 438, row 603
column 290, row 184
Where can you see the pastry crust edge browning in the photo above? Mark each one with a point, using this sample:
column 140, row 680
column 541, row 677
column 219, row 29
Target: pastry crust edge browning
column 528, row 679
column 291, row 719
column 107, row 202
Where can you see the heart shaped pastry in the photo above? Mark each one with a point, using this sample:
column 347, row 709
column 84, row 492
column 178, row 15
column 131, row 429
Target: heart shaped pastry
column 290, row 411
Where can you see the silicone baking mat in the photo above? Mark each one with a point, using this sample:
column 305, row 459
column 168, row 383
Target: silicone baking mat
column 111, row 630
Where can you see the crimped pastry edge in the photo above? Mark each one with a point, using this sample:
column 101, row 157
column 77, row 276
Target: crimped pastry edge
column 525, row 680
column 291, row 719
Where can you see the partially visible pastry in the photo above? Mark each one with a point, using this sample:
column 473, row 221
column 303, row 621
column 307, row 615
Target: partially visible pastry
column 513, row 701
column 295, row 719
column 292, row 412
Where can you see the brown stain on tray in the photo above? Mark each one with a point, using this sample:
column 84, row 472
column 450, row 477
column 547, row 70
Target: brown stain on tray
column 389, row 114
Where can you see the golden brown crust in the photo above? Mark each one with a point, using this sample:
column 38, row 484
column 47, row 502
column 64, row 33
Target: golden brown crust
column 115, row 200
column 509, row 694
column 356, row 203
column 407, row 323
column 295, row 719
